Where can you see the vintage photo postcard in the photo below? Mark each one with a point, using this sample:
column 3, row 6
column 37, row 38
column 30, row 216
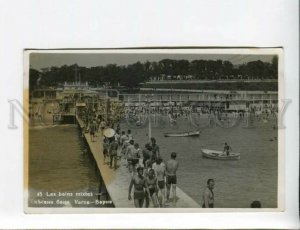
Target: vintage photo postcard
column 164, row 130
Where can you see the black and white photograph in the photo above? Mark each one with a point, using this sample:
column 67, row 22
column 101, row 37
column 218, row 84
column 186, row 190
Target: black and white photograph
column 157, row 129
column 149, row 114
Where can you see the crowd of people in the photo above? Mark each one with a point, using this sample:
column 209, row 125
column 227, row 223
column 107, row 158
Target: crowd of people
column 259, row 112
column 153, row 181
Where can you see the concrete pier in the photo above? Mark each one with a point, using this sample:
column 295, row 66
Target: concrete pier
column 117, row 181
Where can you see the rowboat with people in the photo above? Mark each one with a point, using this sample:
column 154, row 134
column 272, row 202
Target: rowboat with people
column 183, row 134
column 219, row 155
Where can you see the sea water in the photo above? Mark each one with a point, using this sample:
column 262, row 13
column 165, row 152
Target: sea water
column 61, row 171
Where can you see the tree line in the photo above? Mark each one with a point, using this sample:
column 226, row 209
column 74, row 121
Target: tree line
column 132, row 75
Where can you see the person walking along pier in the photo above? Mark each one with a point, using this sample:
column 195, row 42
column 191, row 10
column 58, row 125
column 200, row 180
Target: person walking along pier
column 139, row 183
column 208, row 195
column 171, row 169
column 160, row 171
column 155, row 149
column 151, row 182
column 113, row 148
column 93, row 127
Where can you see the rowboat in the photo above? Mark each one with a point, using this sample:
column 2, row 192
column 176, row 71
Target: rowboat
column 183, row 134
column 219, row 155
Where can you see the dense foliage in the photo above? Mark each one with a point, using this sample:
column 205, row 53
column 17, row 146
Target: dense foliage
column 132, row 75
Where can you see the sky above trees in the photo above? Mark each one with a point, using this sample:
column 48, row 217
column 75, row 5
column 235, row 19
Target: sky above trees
column 44, row 60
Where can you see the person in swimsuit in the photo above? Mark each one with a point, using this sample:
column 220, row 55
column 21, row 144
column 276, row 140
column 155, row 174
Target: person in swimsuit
column 227, row 149
column 139, row 183
column 98, row 123
column 160, row 172
column 129, row 135
column 113, row 148
column 155, row 149
column 123, row 142
column 135, row 156
column 208, row 195
column 146, row 152
column 151, row 182
column 171, row 179
column 147, row 168
column 93, row 130
column 129, row 155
